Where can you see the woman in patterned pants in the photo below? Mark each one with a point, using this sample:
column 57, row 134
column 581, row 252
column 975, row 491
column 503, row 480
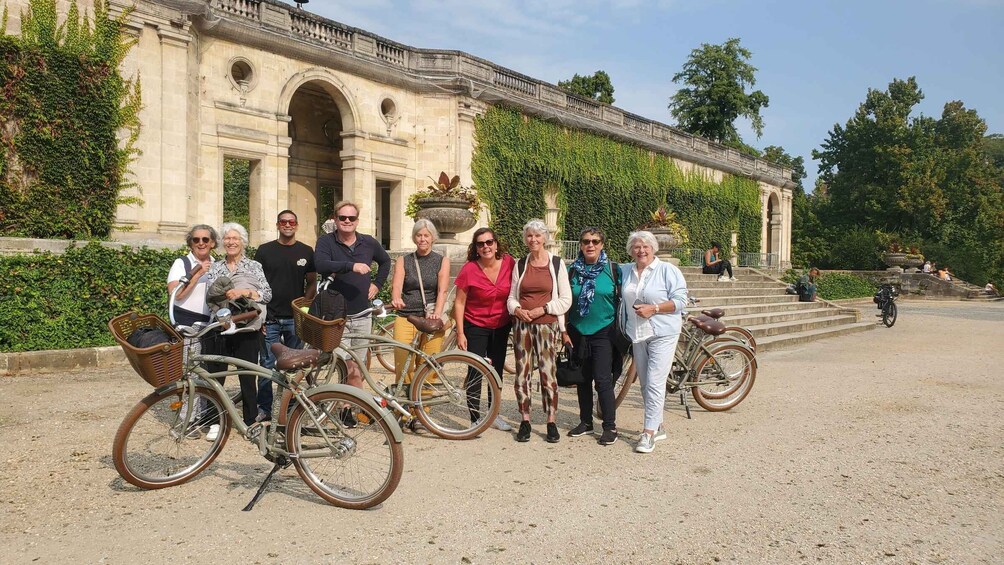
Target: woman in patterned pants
column 539, row 297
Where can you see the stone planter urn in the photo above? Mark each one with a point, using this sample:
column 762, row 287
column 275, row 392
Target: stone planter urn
column 913, row 261
column 668, row 240
column 895, row 259
column 450, row 215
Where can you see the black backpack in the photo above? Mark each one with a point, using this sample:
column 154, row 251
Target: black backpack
column 147, row 336
column 329, row 304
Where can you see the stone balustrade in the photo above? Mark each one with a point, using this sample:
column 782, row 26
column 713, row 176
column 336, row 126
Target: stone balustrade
column 491, row 83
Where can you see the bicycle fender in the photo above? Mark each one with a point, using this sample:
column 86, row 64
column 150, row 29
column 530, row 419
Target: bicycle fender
column 472, row 357
column 367, row 399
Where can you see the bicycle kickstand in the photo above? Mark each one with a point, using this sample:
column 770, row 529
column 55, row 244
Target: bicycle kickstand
column 683, row 401
column 280, row 463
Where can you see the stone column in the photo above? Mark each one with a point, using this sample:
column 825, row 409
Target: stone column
column 173, row 108
column 787, row 218
column 358, row 183
column 764, row 220
column 467, row 110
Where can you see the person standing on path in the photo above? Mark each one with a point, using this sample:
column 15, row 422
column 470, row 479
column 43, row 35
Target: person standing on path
column 349, row 256
column 289, row 270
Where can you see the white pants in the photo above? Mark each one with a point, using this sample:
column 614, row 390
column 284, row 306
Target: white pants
column 653, row 358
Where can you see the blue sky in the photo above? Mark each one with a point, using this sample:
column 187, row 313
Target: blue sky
column 816, row 59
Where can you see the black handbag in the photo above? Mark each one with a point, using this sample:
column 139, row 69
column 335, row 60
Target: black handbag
column 569, row 370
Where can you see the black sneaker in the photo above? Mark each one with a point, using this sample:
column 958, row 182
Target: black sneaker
column 608, row 437
column 552, row 434
column 348, row 420
column 581, row 430
column 523, row 435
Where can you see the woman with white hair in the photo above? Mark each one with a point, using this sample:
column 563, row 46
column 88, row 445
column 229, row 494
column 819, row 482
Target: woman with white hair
column 539, row 297
column 654, row 293
column 249, row 282
column 419, row 286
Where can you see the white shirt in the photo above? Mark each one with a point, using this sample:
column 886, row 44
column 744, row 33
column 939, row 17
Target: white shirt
column 196, row 300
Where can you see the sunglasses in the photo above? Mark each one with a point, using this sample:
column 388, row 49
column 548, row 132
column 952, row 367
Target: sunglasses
column 201, row 240
column 484, row 243
column 347, row 218
column 591, row 241
column 287, row 222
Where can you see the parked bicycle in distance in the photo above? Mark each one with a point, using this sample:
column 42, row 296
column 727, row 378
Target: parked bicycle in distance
column 164, row 441
column 885, row 301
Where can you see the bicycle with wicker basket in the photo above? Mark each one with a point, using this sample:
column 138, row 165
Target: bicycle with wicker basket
column 454, row 394
column 162, row 441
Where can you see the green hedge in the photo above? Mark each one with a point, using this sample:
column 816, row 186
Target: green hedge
column 600, row 181
column 838, row 286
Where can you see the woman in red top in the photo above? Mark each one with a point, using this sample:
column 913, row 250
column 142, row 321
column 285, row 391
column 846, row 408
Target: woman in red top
column 482, row 320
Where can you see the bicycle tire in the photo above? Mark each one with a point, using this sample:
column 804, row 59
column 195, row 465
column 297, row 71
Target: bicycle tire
column 743, row 335
column 151, row 450
column 724, row 378
column 445, row 400
column 368, row 464
column 889, row 314
column 385, row 354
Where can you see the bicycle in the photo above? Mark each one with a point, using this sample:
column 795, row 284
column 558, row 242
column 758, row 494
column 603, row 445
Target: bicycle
column 160, row 442
column 885, row 300
column 445, row 394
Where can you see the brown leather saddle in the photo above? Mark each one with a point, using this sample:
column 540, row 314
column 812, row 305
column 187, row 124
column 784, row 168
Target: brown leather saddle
column 714, row 313
column 708, row 325
column 287, row 358
column 425, row 325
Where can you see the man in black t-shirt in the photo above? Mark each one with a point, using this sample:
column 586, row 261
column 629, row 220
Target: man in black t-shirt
column 289, row 270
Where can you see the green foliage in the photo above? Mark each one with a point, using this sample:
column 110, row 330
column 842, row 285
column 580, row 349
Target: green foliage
column 918, row 179
column 65, row 301
column 62, row 108
column 838, row 286
column 715, row 78
column 599, row 181
column 595, row 87
column 237, row 191
column 444, row 187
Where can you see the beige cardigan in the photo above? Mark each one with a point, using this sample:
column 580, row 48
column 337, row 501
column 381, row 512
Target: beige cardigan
column 561, row 291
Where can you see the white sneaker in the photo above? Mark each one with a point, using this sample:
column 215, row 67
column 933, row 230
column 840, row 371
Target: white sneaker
column 660, row 434
column 733, row 279
column 645, row 444
column 213, row 433
column 500, row 424
column 724, row 278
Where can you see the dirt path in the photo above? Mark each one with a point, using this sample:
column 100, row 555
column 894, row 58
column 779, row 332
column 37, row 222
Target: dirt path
column 885, row 446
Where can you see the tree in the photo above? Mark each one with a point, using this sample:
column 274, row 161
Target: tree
column 714, row 97
column 596, row 86
column 921, row 180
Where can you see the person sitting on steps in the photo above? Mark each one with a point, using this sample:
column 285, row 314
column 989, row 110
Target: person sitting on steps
column 715, row 265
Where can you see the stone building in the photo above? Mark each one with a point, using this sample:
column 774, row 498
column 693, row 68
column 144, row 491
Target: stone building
column 320, row 108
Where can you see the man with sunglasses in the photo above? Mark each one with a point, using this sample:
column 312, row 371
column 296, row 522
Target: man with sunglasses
column 349, row 255
column 289, row 270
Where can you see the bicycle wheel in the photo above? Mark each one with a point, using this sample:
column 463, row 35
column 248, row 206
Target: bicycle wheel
column 360, row 467
column 459, row 401
column 724, row 378
column 889, row 314
column 384, row 354
column 154, row 448
column 743, row 335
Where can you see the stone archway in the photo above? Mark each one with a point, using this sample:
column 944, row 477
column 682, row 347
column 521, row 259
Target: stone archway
column 319, row 114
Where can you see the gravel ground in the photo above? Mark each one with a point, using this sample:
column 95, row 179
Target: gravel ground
column 883, row 446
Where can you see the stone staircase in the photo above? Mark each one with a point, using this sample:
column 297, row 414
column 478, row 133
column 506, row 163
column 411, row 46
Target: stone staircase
column 777, row 319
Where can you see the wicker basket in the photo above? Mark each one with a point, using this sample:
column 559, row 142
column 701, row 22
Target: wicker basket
column 160, row 364
column 324, row 335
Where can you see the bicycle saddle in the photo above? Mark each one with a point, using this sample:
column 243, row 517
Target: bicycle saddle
column 708, row 325
column 714, row 313
column 287, row 358
column 425, row 325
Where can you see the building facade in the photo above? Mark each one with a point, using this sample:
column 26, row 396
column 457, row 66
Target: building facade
column 321, row 110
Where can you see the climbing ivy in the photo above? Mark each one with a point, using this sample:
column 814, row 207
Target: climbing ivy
column 63, row 107
column 600, row 182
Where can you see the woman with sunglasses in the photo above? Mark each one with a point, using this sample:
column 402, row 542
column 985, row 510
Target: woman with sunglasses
column 190, row 305
column 594, row 283
column 483, row 322
column 538, row 299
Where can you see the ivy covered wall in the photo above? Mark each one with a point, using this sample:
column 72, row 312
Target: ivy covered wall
column 63, row 105
column 600, row 182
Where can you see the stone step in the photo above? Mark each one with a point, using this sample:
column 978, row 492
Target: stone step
column 742, row 309
column 774, row 317
column 723, row 290
column 723, row 301
column 743, row 284
column 783, row 341
column 795, row 326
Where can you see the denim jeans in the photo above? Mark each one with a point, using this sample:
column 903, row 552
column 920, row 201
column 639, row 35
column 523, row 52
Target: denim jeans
column 277, row 331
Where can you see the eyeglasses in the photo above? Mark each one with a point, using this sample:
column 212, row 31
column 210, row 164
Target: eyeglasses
column 484, row 243
column 287, row 222
column 591, row 241
column 201, row 240
column 347, row 218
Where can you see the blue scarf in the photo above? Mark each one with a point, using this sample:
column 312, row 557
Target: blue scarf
column 587, row 274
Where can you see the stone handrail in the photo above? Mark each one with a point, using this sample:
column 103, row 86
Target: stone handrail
column 483, row 79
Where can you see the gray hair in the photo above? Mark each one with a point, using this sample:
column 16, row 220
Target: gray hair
column 537, row 225
column 212, row 235
column 234, row 226
column 424, row 224
column 645, row 237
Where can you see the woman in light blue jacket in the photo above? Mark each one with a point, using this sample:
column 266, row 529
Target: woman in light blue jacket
column 654, row 293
